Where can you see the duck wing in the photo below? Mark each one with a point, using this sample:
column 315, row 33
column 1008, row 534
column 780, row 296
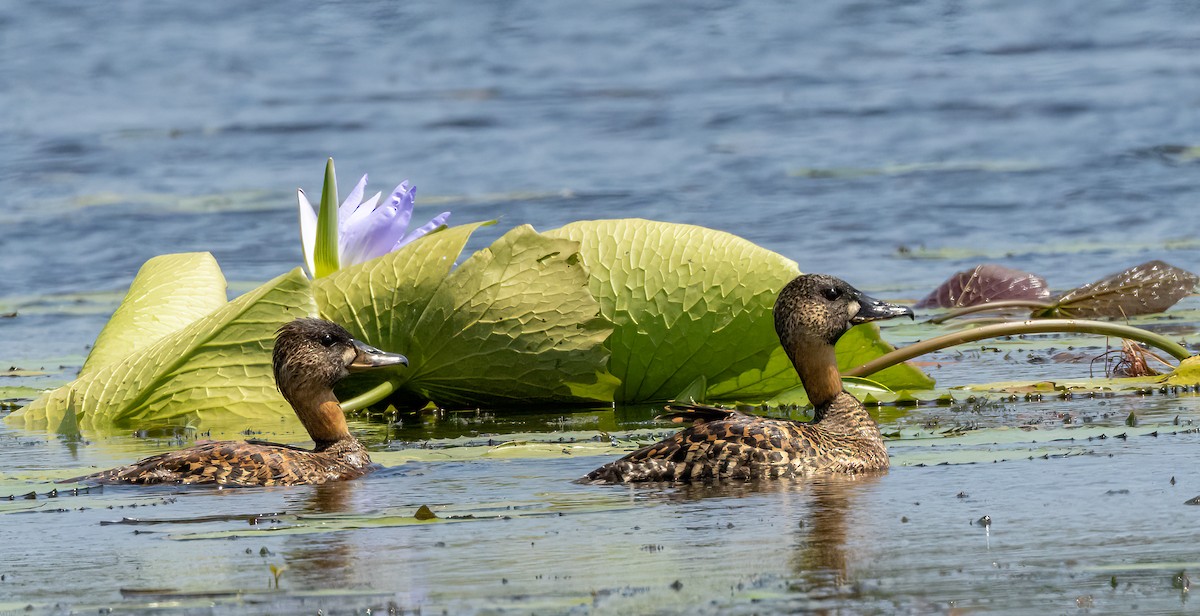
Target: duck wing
column 218, row 462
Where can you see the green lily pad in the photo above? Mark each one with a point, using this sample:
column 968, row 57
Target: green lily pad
column 1187, row 373
column 216, row 370
column 690, row 302
column 686, row 302
column 168, row 293
column 15, row 392
column 381, row 300
column 513, row 325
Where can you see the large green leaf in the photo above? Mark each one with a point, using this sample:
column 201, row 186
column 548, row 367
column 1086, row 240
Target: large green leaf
column 686, row 302
column 689, row 302
column 382, row 299
column 168, row 293
column 214, row 372
column 515, row 324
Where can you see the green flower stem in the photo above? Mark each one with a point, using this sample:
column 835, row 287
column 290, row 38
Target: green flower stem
column 1012, row 303
column 372, row 396
column 1039, row 326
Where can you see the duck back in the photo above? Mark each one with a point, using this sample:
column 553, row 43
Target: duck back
column 244, row 463
column 731, row 445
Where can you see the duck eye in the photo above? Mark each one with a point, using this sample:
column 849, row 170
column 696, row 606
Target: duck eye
column 327, row 339
column 831, row 293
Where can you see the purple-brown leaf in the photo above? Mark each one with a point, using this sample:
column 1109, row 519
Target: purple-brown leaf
column 1148, row 288
column 986, row 283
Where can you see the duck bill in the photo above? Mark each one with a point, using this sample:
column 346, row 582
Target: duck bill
column 871, row 309
column 370, row 357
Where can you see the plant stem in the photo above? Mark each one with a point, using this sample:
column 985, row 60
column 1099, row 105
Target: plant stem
column 369, row 397
column 1039, row 326
column 1012, row 303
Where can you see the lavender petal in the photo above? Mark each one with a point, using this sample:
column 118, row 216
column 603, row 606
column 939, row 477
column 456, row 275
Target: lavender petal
column 308, row 230
column 360, row 214
column 357, row 239
column 424, row 229
column 385, row 230
column 352, row 201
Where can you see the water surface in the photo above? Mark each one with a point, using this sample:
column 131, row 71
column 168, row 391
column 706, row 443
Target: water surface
column 890, row 144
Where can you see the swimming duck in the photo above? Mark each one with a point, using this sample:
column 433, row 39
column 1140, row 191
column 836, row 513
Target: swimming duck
column 811, row 313
column 310, row 356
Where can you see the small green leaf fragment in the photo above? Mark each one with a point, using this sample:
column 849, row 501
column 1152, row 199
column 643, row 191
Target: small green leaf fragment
column 1187, row 373
column 694, row 393
column 69, row 426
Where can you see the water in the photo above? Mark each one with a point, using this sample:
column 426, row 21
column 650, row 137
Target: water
column 890, row 144
column 909, row 541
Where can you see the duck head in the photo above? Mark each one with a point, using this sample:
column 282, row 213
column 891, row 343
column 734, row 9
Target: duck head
column 820, row 308
column 316, row 352
column 310, row 357
column 811, row 314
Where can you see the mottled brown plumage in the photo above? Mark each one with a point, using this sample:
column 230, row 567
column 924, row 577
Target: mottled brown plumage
column 811, row 313
column 310, row 357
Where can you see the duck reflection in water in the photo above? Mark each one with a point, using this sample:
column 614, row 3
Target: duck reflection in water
column 824, row 559
column 324, row 560
column 829, row 544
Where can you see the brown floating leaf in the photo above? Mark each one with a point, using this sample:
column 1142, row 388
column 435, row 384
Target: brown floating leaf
column 1148, row 288
column 425, row 513
column 986, row 283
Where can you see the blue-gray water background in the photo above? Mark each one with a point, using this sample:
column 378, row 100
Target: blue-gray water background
column 834, row 133
column 1055, row 137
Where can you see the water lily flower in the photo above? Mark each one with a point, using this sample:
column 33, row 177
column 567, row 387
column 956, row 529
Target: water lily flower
column 364, row 229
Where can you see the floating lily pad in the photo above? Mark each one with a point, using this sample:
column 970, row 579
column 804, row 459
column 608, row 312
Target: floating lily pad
column 1187, row 374
column 1148, row 288
column 986, row 283
column 17, row 392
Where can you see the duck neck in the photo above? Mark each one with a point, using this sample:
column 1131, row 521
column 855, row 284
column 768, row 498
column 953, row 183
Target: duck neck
column 845, row 415
column 322, row 416
column 817, row 366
